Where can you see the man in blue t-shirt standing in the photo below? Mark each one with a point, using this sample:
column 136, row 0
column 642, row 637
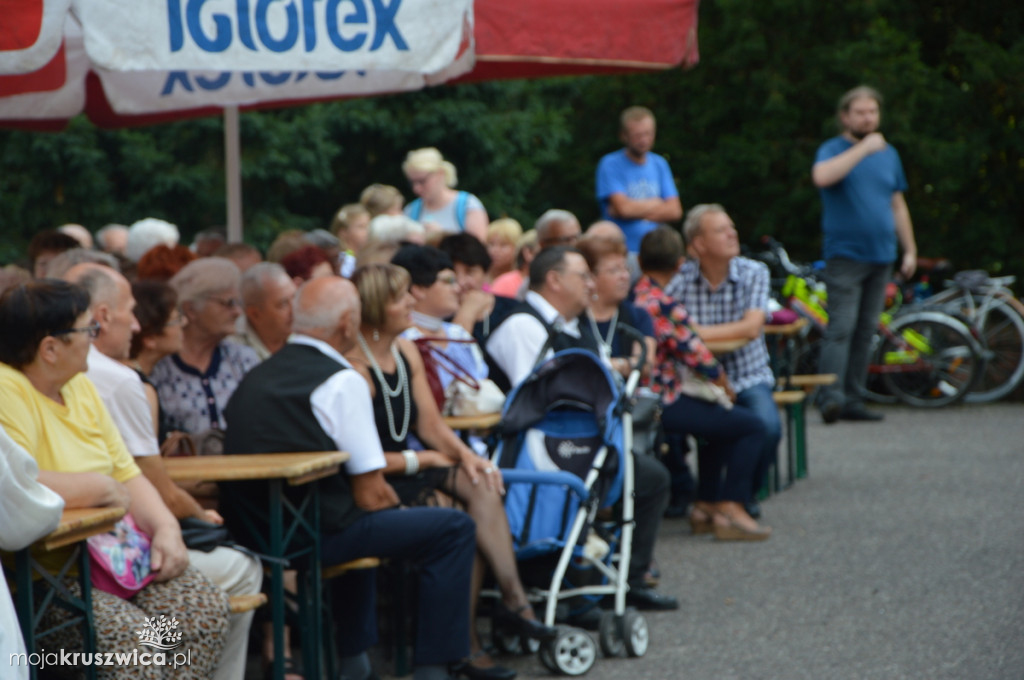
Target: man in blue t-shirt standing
column 634, row 185
column 861, row 181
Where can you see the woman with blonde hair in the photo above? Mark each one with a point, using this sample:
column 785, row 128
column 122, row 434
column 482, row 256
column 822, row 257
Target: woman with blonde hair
column 509, row 284
column 433, row 180
column 502, row 239
column 382, row 199
column 404, row 406
column 352, row 227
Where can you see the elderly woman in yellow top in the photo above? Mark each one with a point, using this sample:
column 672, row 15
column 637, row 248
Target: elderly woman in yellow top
column 50, row 408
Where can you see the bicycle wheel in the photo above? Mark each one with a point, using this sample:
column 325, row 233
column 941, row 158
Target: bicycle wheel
column 933, row 357
column 1001, row 328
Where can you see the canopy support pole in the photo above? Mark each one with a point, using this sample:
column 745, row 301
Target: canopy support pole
column 233, row 173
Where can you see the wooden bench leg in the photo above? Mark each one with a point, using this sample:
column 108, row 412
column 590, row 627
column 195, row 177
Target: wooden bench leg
column 801, row 440
column 790, row 445
column 796, row 443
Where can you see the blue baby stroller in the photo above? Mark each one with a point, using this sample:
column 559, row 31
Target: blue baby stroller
column 565, row 457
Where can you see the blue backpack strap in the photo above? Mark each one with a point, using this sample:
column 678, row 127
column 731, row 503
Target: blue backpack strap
column 460, row 209
column 416, row 209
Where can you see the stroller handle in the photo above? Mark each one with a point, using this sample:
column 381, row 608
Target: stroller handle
column 637, row 368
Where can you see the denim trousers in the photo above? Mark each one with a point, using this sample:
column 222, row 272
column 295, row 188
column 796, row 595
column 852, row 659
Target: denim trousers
column 856, row 297
column 734, row 441
column 758, row 398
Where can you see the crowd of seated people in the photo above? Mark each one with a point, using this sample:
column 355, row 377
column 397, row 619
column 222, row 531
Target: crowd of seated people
column 147, row 342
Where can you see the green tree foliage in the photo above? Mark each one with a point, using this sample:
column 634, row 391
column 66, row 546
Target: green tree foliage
column 741, row 129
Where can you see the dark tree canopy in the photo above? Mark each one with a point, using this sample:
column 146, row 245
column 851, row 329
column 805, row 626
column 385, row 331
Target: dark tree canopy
column 740, row 129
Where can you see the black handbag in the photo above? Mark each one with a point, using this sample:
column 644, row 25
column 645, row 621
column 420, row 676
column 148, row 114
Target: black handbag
column 204, row 536
column 646, row 411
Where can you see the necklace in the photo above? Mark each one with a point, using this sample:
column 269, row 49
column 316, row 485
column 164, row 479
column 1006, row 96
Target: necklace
column 606, row 341
column 400, row 388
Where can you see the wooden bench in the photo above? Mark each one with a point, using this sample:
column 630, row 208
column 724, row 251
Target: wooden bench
column 338, row 569
column 792, row 402
column 239, row 604
column 808, row 382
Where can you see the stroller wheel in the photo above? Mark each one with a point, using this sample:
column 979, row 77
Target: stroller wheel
column 573, row 652
column 610, row 635
column 546, row 660
column 635, row 634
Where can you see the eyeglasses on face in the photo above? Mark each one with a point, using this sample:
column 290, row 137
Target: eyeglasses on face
column 229, row 303
column 449, row 279
column 586, row 276
column 92, row 329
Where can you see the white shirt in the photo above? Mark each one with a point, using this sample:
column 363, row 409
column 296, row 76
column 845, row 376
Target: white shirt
column 246, row 335
column 124, row 395
column 515, row 344
column 343, row 407
column 28, row 511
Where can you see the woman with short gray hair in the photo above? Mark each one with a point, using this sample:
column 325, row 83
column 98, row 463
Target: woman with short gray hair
column 195, row 383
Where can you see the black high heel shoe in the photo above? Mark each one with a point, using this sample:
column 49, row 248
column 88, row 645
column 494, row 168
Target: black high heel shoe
column 530, row 628
column 468, row 670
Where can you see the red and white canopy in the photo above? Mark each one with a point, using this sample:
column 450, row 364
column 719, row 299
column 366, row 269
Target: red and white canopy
column 126, row 63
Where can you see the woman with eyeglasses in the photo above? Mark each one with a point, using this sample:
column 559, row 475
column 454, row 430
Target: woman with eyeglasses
column 403, row 405
column 433, row 180
column 51, row 409
column 435, row 289
column 196, row 382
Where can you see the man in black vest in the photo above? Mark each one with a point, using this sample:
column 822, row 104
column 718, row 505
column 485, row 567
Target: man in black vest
column 306, row 397
column 560, row 289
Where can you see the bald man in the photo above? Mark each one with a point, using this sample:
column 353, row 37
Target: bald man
column 307, row 397
column 77, row 232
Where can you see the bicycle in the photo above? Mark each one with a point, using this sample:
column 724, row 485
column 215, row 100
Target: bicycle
column 924, row 358
column 997, row 315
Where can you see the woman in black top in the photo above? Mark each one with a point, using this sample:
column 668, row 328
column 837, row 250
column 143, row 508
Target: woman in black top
column 404, row 405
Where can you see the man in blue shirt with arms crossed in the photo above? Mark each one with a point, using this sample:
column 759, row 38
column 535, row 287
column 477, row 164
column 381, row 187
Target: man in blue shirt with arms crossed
column 861, row 181
column 634, row 185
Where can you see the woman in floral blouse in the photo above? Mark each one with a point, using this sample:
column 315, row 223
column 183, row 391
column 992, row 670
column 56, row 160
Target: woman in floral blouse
column 697, row 400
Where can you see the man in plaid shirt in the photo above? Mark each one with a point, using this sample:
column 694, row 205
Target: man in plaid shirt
column 727, row 297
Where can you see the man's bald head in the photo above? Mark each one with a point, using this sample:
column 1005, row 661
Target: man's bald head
column 327, row 308
column 111, row 304
column 77, row 232
column 96, row 278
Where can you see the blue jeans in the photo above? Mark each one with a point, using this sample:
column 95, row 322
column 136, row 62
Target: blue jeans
column 856, row 296
column 441, row 542
column 758, row 399
column 735, row 439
